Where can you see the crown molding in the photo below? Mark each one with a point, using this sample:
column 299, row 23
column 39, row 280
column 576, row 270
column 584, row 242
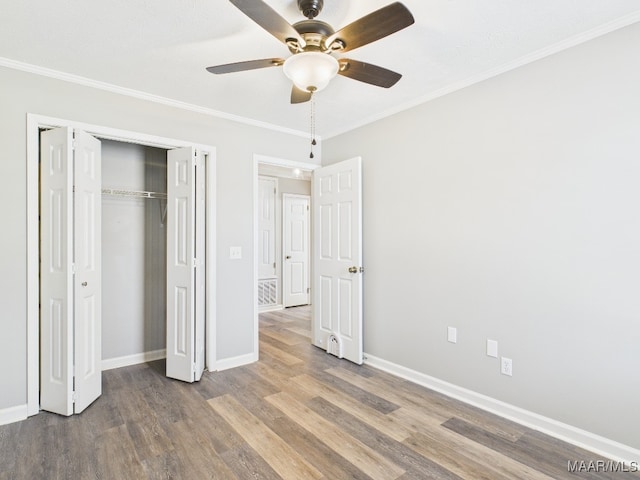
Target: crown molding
column 129, row 92
column 573, row 41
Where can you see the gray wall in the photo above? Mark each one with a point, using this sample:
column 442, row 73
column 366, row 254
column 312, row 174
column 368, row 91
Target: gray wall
column 511, row 210
column 133, row 251
column 22, row 93
column 293, row 185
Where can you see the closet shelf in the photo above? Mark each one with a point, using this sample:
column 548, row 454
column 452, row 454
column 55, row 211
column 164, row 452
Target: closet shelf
column 118, row 192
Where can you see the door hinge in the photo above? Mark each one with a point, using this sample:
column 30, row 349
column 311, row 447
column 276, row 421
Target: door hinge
column 74, row 397
column 308, row 290
column 307, row 208
column 195, row 262
column 274, row 191
column 274, row 265
column 73, row 268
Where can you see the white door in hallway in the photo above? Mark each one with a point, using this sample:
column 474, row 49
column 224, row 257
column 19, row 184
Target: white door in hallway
column 337, row 259
column 267, row 188
column 70, row 271
column 295, row 272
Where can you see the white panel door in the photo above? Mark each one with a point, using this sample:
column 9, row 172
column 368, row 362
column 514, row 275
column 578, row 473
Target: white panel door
column 87, row 280
column 185, row 313
column 266, row 227
column 56, row 271
column 295, row 272
column 70, row 320
column 337, row 257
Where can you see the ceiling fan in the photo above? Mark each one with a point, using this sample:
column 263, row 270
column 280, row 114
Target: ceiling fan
column 313, row 44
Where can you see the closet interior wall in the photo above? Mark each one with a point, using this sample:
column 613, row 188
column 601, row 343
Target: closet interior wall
column 134, row 243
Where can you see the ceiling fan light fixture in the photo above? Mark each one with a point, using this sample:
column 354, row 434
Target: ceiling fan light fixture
column 311, row 71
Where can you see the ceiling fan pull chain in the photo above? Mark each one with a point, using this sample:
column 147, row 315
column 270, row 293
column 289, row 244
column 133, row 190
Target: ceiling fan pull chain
column 312, row 127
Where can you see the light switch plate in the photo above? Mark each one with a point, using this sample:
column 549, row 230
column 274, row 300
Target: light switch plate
column 452, row 334
column 235, row 253
column 492, row 348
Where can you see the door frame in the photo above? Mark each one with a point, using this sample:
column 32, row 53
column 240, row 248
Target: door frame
column 35, row 122
column 279, row 162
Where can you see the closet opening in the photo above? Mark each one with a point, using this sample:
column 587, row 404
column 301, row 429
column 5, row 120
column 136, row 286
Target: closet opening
column 134, row 253
column 119, row 224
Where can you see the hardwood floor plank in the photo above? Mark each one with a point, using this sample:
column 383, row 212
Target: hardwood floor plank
column 468, row 459
column 370, row 398
column 117, row 455
column 279, row 355
column 332, row 465
column 303, row 332
column 402, row 456
column 275, row 451
column 553, row 464
column 247, row 464
column 438, row 405
column 196, row 453
column 365, row 458
column 371, row 416
column 285, row 336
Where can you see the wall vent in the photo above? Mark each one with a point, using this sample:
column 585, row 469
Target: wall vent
column 267, row 291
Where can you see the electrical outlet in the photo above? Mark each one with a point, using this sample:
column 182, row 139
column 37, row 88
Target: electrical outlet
column 452, row 334
column 235, row 253
column 506, row 366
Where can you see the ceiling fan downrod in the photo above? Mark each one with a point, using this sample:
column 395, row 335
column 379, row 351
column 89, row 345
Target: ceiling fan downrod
column 310, row 8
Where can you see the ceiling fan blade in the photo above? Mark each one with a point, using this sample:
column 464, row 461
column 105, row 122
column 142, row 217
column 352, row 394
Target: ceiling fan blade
column 248, row 65
column 368, row 73
column 269, row 19
column 372, row 27
column 299, row 96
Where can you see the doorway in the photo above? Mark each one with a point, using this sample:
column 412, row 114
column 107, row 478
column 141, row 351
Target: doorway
column 284, row 198
column 36, row 123
column 274, row 178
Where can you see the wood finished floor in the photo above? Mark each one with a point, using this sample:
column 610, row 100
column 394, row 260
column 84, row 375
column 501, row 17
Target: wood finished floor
column 296, row 414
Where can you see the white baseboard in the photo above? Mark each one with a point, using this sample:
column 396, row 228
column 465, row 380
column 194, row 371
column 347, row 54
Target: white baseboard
column 111, row 363
column 576, row 436
column 270, row 308
column 13, row 414
column 232, row 362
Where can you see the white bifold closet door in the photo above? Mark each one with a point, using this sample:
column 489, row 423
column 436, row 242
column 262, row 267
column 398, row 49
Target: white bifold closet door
column 70, row 222
column 185, row 264
column 70, row 277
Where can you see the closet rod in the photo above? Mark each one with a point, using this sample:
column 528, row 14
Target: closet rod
column 133, row 193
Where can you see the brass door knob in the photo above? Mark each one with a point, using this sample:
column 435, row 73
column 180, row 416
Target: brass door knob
column 353, row 269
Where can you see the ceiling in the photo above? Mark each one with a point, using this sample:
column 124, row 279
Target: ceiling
column 161, row 47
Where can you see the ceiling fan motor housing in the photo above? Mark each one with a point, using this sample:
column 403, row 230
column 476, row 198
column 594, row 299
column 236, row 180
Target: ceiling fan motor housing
column 310, row 8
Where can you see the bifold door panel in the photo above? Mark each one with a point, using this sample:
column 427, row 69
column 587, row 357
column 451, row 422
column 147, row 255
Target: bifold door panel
column 70, row 224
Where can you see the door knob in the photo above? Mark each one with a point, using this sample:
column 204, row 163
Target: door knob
column 353, row 269
column 84, row 284
column 288, row 257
